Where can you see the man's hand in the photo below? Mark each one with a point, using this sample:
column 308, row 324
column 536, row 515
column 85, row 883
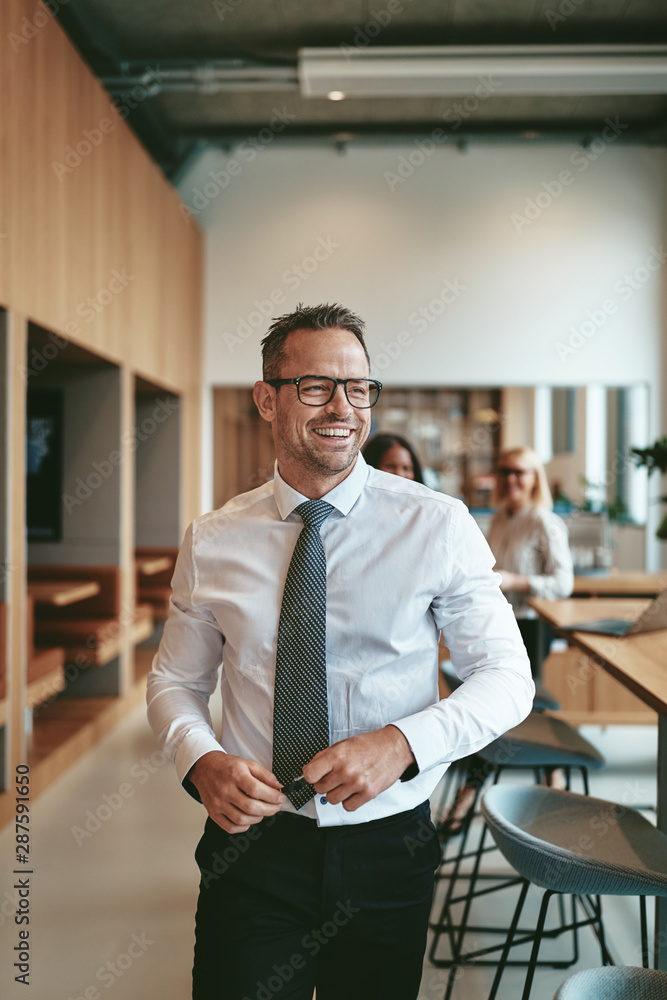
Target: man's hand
column 237, row 793
column 355, row 770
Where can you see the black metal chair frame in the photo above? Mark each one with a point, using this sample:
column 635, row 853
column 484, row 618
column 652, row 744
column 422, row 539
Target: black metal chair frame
column 445, row 924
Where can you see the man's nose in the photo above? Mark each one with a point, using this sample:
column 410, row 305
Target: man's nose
column 339, row 404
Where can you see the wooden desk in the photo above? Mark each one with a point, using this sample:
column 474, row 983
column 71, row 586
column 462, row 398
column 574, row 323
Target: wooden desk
column 561, row 614
column 60, row 593
column 151, row 566
column 639, row 662
column 621, row 584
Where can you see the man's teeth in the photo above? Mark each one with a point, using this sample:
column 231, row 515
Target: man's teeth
column 336, row 432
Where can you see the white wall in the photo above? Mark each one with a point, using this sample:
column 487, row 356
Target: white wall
column 524, row 286
column 158, row 469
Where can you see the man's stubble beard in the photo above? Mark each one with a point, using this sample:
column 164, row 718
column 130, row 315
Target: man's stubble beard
column 311, row 461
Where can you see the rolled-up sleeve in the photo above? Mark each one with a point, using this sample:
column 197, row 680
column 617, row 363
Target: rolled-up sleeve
column 185, row 671
column 487, row 652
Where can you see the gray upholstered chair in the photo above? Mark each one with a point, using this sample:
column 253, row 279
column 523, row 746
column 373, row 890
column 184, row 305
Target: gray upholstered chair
column 618, row 853
column 539, row 743
column 615, row 982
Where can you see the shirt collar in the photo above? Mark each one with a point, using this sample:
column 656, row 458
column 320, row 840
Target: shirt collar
column 343, row 497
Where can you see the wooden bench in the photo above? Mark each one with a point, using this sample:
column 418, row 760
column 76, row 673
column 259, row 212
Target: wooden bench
column 46, row 665
column 90, row 630
column 156, row 588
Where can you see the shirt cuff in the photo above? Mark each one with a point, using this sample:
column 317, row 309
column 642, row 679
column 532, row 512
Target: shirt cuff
column 420, row 740
column 188, row 753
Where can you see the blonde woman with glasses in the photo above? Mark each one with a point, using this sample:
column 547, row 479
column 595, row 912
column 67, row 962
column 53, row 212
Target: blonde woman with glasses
column 529, row 541
column 533, row 558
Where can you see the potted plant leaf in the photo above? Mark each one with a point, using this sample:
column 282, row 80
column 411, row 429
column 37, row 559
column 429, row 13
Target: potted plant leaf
column 653, row 458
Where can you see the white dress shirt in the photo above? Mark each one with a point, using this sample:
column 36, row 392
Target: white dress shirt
column 533, row 543
column 403, row 564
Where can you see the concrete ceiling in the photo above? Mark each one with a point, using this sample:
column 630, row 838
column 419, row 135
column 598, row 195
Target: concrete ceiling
column 167, row 52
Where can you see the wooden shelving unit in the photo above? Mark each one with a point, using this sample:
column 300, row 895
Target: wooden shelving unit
column 125, row 247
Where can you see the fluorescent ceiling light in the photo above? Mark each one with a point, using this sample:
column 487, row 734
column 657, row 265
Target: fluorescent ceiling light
column 455, row 71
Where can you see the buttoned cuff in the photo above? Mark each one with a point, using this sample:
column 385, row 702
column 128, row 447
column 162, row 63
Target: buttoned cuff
column 417, row 731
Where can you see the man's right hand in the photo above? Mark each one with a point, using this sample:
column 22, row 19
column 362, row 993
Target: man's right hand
column 236, row 792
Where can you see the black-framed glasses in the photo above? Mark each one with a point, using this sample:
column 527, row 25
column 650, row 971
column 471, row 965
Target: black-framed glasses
column 506, row 473
column 318, row 390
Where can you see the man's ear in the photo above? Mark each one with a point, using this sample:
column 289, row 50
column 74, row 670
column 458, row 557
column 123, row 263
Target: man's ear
column 265, row 400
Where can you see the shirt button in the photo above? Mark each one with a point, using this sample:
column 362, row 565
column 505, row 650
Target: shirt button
column 323, row 800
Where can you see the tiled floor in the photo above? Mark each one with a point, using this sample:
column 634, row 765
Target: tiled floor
column 115, row 882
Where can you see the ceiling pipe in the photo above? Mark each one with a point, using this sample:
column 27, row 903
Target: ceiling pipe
column 205, row 77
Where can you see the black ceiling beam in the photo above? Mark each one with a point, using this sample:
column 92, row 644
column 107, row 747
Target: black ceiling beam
column 645, row 132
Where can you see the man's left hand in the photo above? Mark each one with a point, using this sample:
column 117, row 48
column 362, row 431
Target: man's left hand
column 355, row 770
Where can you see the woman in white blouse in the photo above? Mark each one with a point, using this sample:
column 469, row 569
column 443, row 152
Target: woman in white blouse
column 533, row 558
column 529, row 542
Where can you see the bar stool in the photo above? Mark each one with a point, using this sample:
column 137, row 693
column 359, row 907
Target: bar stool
column 539, row 743
column 542, row 701
column 613, row 982
column 617, row 852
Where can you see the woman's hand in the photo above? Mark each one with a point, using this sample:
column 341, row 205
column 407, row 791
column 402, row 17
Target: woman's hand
column 513, row 581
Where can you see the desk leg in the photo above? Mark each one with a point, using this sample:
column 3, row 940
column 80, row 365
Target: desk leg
column 661, row 901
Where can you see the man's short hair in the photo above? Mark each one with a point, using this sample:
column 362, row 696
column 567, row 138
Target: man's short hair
column 322, row 317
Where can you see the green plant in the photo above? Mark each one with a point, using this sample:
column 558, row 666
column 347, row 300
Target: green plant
column 654, row 458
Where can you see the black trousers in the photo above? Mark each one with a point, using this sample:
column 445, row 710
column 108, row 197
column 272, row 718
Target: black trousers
column 289, row 906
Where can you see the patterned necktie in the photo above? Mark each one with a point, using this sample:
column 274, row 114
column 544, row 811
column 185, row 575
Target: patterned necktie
column 300, row 711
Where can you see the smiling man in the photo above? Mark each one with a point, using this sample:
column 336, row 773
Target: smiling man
column 322, row 596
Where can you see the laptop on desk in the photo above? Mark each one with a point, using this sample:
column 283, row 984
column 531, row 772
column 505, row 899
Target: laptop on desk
column 652, row 618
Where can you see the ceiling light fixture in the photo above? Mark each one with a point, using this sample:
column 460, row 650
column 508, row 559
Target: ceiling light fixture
column 336, row 95
column 508, row 70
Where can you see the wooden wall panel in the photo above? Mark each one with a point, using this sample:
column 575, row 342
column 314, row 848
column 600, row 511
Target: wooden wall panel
column 61, row 240
column 113, row 212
